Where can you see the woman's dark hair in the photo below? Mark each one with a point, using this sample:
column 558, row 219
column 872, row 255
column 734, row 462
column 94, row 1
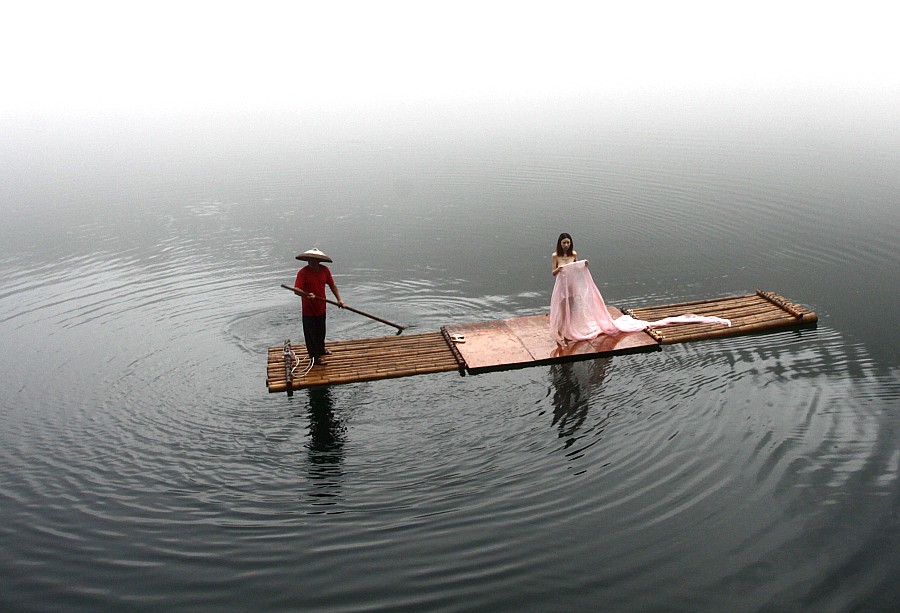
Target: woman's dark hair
column 559, row 249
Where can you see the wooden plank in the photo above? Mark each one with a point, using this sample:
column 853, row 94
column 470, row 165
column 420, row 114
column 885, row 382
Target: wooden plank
column 488, row 344
column 535, row 334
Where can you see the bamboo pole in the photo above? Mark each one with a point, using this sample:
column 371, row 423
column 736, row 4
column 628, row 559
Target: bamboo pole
column 782, row 302
column 288, row 366
column 300, row 292
column 460, row 360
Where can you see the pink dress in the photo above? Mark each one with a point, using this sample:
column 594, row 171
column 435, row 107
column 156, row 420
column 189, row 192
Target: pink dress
column 578, row 313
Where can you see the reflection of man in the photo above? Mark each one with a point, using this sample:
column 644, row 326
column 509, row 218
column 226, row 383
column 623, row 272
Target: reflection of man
column 325, row 447
column 312, row 279
column 325, row 428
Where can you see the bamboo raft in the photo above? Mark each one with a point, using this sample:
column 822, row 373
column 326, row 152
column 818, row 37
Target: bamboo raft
column 519, row 342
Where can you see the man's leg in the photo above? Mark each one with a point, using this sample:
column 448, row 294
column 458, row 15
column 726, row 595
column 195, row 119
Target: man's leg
column 314, row 335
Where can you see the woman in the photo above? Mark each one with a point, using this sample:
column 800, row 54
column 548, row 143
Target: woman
column 577, row 310
column 565, row 252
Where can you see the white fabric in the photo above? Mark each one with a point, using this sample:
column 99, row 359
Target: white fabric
column 578, row 313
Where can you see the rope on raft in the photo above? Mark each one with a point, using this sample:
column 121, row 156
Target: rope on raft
column 296, row 363
column 291, row 361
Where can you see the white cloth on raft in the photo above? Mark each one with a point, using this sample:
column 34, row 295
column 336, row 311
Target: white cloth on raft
column 578, row 313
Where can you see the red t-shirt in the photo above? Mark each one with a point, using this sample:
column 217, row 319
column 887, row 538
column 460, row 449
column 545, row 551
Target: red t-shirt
column 314, row 282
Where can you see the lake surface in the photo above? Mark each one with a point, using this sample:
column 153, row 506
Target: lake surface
column 143, row 465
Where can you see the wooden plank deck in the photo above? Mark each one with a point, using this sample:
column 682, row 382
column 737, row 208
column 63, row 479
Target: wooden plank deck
column 519, row 342
column 526, row 341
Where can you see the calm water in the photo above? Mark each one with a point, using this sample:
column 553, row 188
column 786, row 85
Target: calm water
column 143, row 465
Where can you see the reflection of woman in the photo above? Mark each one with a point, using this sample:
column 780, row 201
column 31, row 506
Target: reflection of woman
column 573, row 384
column 577, row 310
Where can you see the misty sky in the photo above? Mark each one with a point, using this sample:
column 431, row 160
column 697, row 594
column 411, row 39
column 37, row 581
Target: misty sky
column 183, row 55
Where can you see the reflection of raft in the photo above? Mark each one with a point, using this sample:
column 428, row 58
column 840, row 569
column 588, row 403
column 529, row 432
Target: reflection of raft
column 523, row 341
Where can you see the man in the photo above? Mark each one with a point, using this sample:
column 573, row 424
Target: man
column 311, row 280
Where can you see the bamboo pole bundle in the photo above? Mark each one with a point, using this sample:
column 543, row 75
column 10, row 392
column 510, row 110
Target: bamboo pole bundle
column 377, row 367
column 745, row 328
column 369, row 359
column 401, row 343
column 686, row 307
column 359, row 376
column 713, row 308
column 693, row 330
column 736, row 320
column 757, row 313
column 694, row 303
column 393, row 341
column 728, row 313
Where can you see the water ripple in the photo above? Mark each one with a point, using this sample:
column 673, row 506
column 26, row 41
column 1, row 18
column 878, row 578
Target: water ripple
column 144, row 464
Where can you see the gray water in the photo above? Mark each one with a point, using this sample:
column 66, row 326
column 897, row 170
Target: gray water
column 144, row 466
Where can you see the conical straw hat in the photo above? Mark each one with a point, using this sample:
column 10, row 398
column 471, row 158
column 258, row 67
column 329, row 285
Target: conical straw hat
column 314, row 254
